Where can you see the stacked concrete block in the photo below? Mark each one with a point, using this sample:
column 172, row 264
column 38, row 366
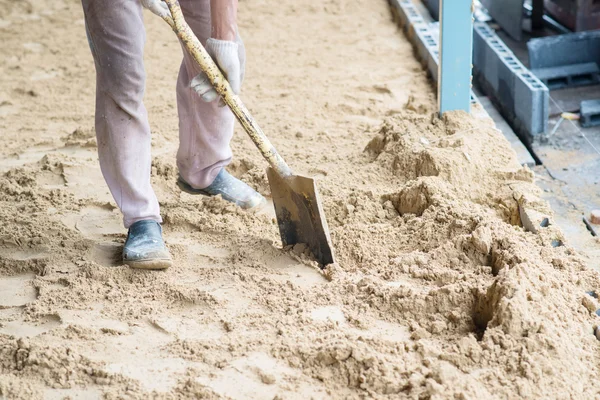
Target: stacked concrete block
column 522, row 98
column 569, row 75
column 422, row 31
column 407, row 15
column 427, row 48
column 532, row 103
column 569, row 49
column 566, row 60
column 412, row 14
column 590, row 113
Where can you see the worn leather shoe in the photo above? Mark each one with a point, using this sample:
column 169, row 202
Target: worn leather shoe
column 230, row 188
column 145, row 248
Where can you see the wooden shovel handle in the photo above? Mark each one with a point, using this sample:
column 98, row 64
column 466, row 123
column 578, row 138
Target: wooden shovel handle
column 208, row 66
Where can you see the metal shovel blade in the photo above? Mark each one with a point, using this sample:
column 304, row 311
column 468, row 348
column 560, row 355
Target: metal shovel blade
column 300, row 215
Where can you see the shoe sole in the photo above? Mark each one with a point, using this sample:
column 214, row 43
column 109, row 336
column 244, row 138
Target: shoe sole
column 150, row 264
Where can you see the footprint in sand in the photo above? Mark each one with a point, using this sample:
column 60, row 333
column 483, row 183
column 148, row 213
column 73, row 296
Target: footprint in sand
column 139, row 355
column 48, row 179
column 15, row 323
column 100, row 223
column 28, row 156
column 43, row 75
column 17, row 290
column 328, row 313
column 73, row 394
column 286, row 268
column 185, row 328
column 13, row 252
column 197, row 248
column 258, row 372
column 92, row 318
column 34, row 47
column 7, row 108
column 108, row 254
column 96, row 222
column 84, row 180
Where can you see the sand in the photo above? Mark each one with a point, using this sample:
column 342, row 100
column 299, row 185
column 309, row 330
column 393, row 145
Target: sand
column 438, row 291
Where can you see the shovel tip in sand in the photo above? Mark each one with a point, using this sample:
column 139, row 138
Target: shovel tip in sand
column 300, row 216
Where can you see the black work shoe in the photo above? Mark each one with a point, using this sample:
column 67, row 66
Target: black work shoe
column 230, row 188
column 145, row 248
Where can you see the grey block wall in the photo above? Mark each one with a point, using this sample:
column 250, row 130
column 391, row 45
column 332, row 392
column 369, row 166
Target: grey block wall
column 427, row 47
column 522, row 98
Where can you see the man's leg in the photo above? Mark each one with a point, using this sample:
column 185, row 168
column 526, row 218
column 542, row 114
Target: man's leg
column 205, row 129
column 116, row 34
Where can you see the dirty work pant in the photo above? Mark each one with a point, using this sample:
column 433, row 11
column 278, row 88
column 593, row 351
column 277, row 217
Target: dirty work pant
column 116, row 34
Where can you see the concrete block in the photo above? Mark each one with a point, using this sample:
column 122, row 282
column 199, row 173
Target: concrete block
column 569, row 75
column 427, row 46
column 434, row 27
column 433, row 63
column 479, row 48
column 499, row 65
column 590, row 113
column 406, row 14
column 532, row 219
column 412, row 15
column 411, row 12
column 532, row 103
column 489, row 50
column 541, row 224
column 423, row 35
column 523, row 155
column 474, row 99
column 568, row 49
column 506, row 80
column 508, row 14
column 522, row 98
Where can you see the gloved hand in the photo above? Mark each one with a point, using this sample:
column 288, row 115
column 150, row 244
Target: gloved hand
column 158, row 7
column 230, row 57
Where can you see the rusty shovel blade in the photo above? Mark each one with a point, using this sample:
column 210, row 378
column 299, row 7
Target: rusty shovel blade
column 300, row 214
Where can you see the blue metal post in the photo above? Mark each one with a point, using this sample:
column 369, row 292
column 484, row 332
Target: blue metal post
column 456, row 49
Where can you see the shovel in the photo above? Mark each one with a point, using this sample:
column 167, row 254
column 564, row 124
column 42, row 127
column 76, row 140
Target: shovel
column 297, row 204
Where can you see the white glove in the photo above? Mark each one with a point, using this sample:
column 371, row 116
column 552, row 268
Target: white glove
column 230, row 57
column 158, row 7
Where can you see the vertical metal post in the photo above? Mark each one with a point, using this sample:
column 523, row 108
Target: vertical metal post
column 456, row 49
column 537, row 14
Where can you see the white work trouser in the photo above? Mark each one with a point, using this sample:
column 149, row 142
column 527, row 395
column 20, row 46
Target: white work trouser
column 116, row 33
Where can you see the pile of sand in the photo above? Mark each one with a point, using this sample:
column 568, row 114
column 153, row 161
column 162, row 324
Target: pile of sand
column 438, row 290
